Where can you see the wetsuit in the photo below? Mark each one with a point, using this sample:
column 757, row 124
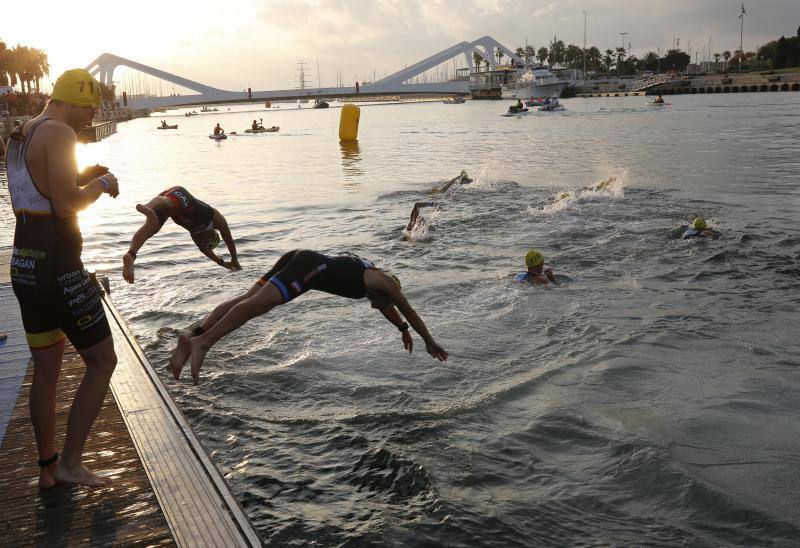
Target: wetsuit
column 55, row 294
column 301, row 270
column 192, row 214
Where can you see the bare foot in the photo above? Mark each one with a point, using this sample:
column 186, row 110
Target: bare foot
column 47, row 477
column 148, row 212
column 79, row 474
column 180, row 355
column 127, row 268
column 198, row 354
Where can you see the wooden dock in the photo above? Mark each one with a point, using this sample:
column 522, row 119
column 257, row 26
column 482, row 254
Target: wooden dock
column 165, row 490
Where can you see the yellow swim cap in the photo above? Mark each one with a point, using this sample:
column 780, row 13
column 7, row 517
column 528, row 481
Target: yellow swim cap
column 534, row 258
column 77, row 87
column 699, row 224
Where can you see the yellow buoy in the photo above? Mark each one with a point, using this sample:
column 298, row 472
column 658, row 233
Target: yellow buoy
column 348, row 122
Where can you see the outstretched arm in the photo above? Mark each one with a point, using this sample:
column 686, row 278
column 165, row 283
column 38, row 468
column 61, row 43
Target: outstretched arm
column 222, row 225
column 391, row 314
column 415, row 214
column 378, row 282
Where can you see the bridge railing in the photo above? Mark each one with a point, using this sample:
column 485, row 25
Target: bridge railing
column 651, row 81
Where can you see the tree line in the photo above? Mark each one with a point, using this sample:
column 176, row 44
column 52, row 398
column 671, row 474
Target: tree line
column 23, row 65
column 781, row 53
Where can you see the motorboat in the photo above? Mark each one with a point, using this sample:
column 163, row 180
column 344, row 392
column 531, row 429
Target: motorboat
column 535, row 102
column 192, row 113
column 454, row 101
column 206, row 109
column 513, row 110
column 320, row 103
column 551, row 108
column 537, row 81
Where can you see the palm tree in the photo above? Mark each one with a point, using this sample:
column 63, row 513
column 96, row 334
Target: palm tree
column 477, row 58
column 608, row 60
column 726, row 55
column 22, row 66
column 556, row 51
column 499, row 56
column 542, row 54
column 530, row 53
column 620, row 60
column 40, row 65
column 593, row 58
column 4, row 53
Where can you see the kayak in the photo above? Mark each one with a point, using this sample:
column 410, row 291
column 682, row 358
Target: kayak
column 218, row 137
column 272, row 129
column 654, row 104
column 168, row 127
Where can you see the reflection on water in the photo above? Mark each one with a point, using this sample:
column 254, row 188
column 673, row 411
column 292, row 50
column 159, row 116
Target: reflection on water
column 351, row 156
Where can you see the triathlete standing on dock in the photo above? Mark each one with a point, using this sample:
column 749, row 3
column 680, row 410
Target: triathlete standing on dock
column 295, row 273
column 200, row 219
column 56, row 296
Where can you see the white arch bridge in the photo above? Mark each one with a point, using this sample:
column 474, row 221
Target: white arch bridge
column 395, row 84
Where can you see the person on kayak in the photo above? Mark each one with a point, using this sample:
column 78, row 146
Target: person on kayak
column 218, row 130
column 200, row 219
column 659, row 100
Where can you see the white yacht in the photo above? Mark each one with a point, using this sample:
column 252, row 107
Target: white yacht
column 537, row 81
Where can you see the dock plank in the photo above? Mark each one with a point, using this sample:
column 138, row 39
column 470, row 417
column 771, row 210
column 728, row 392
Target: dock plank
column 126, row 512
column 194, row 498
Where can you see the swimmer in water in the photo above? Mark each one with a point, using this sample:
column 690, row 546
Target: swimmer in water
column 700, row 229
column 416, row 221
column 201, row 220
column 538, row 273
column 462, row 179
column 295, row 273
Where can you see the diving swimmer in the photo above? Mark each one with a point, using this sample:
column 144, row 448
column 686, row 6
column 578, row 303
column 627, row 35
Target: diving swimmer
column 538, row 273
column 700, row 229
column 292, row 275
column 200, row 219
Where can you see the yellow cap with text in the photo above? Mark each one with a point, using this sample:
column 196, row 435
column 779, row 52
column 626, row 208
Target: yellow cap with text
column 77, row 87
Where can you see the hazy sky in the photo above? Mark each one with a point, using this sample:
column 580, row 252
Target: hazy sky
column 231, row 44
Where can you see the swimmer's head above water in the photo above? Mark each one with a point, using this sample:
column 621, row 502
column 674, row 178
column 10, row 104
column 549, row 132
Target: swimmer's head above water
column 699, row 224
column 207, row 239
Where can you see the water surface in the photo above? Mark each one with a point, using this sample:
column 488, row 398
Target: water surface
column 651, row 397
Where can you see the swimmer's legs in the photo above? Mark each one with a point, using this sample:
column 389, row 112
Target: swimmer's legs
column 182, row 351
column 264, row 300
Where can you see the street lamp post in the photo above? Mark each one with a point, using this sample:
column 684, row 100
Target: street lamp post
column 741, row 36
column 584, row 44
column 619, row 59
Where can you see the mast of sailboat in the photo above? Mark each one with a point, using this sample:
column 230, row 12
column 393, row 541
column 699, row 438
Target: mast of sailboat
column 319, row 82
